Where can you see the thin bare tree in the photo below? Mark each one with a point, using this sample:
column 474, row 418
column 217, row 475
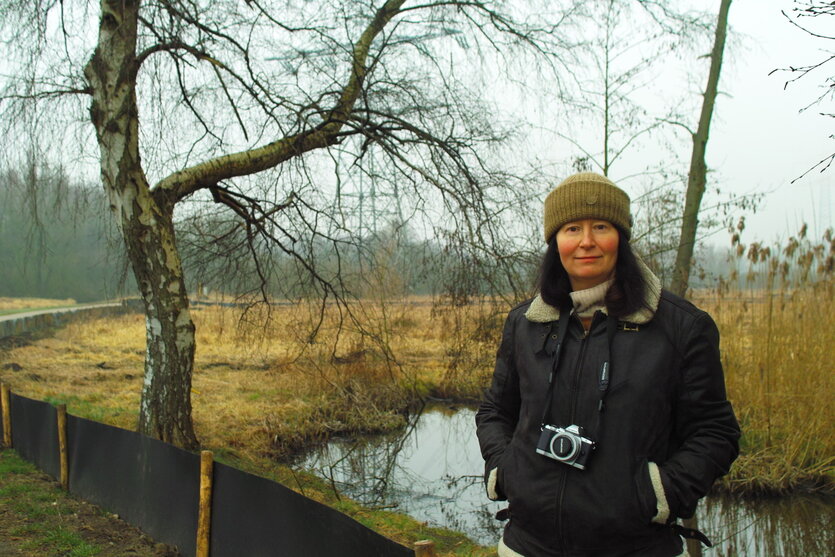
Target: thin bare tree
column 621, row 53
column 697, row 176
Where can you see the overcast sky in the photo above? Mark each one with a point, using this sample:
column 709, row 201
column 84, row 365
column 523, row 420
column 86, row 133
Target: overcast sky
column 759, row 142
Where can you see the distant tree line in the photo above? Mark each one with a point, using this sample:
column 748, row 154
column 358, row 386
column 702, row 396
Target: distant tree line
column 56, row 238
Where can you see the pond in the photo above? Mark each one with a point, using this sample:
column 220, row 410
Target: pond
column 432, row 471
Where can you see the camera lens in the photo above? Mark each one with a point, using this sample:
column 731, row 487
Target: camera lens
column 563, row 447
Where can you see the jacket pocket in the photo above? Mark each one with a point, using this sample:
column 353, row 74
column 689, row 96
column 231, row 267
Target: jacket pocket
column 515, row 480
column 531, row 483
column 633, row 514
column 502, row 476
column 645, row 492
column 493, row 480
column 617, row 500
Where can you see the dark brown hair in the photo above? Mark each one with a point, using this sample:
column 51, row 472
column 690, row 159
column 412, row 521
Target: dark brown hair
column 626, row 295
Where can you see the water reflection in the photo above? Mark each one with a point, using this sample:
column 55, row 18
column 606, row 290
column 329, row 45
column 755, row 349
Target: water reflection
column 433, row 471
column 788, row 527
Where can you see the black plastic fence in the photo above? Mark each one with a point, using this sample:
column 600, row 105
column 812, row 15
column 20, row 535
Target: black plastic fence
column 155, row 486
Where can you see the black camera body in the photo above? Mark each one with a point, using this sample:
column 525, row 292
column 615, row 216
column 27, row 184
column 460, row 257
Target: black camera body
column 566, row 445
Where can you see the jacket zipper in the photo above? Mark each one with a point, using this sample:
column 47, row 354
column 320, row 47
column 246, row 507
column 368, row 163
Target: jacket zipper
column 563, row 475
column 572, row 407
column 575, row 384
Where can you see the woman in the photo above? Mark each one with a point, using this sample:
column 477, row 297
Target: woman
column 607, row 417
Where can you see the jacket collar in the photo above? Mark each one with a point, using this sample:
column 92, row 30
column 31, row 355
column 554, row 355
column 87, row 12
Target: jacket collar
column 541, row 312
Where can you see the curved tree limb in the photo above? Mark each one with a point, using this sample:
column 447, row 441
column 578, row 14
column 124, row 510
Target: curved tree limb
column 185, row 182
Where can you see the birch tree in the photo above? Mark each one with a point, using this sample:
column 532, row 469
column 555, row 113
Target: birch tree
column 266, row 109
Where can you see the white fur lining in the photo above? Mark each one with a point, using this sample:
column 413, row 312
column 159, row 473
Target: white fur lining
column 662, row 506
column 505, row 551
column 541, row 312
column 492, row 494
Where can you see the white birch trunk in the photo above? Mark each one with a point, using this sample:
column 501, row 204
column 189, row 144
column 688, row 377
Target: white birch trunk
column 146, row 224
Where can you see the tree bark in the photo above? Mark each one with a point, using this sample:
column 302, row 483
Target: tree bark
column 697, row 177
column 165, row 407
column 146, row 225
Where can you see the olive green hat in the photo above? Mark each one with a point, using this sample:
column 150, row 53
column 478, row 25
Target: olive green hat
column 587, row 195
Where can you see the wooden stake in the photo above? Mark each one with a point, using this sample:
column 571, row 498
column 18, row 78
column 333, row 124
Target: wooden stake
column 7, row 415
column 62, row 446
column 425, row 548
column 204, row 518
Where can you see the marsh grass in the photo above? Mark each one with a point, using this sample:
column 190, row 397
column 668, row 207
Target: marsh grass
column 775, row 316
column 263, row 389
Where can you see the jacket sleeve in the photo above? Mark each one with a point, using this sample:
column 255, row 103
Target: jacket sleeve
column 706, row 430
column 498, row 413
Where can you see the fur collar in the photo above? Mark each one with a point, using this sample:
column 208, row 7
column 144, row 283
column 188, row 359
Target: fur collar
column 540, row 312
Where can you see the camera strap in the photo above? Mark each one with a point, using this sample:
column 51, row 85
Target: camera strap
column 561, row 332
column 692, row 534
column 606, row 369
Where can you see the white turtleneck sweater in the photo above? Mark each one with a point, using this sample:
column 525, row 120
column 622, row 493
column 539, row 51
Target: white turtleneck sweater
column 588, row 301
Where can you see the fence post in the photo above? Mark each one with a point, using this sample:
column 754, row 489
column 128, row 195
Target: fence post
column 7, row 415
column 204, row 518
column 62, row 446
column 425, row 548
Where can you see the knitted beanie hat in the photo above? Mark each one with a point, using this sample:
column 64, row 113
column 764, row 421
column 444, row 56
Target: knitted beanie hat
column 587, row 195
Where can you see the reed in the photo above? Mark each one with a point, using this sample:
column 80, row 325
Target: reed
column 775, row 318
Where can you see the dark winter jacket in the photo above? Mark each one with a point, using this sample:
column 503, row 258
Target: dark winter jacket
column 666, row 431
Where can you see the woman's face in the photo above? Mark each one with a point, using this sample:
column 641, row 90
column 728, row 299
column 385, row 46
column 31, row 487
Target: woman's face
column 588, row 250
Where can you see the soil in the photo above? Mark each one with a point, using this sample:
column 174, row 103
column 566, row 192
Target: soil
column 110, row 535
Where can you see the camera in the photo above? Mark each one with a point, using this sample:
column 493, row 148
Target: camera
column 565, row 445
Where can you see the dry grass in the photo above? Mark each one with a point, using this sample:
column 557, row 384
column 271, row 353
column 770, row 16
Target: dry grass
column 263, row 391
column 95, row 366
column 777, row 351
column 9, row 304
column 276, row 388
column 266, row 390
